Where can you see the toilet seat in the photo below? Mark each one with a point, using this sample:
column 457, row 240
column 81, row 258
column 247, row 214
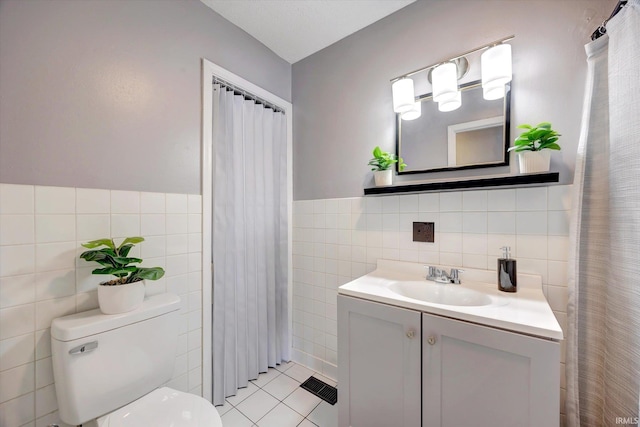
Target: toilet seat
column 164, row 407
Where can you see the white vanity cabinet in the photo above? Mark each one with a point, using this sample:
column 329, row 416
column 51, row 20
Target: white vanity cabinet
column 379, row 366
column 401, row 367
column 474, row 375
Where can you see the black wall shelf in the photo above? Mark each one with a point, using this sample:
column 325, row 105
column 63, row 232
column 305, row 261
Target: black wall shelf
column 523, row 180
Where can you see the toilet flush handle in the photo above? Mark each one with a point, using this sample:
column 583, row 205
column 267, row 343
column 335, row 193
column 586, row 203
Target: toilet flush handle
column 84, row 348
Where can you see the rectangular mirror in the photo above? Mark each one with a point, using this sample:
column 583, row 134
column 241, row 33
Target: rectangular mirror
column 476, row 135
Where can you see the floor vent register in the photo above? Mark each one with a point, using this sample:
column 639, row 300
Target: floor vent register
column 321, row 389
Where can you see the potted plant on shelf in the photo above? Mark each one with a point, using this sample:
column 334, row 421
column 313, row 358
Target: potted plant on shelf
column 533, row 147
column 126, row 291
column 382, row 162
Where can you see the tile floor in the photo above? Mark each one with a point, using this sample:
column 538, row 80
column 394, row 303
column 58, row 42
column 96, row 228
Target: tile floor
column 275, row 399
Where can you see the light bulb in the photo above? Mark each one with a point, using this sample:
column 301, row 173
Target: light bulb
column 451, row 104
column 403, row 96
column 445, row 82
column 413, row 113
column 496, row 68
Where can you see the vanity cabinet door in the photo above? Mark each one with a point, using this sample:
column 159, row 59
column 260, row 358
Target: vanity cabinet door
column 378, row 365
column 480, row 376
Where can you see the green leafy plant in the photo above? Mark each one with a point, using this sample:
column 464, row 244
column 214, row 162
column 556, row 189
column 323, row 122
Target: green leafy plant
column 536, row 138
column 383, row 160
column 116, row 262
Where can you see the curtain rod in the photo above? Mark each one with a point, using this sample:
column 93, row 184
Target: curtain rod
column 602, row 29
column 247, row 95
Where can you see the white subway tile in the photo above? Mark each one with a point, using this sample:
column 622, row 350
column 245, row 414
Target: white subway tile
column 46, row 401
column 55, row 256
column 531, row 223
column 452, row 259
column 497, row 241
column 16, row 351
column 558, row 273
column 177, row 204
column 55, row 284
column 409, row 203
column 152, row 224
column 93, row 201
column 86, row 301
column 451, row 222
column 532, row 246
column 194, row 223
column 195, row 262
column 55, row 200
column 451, row 202
column 92, row 227
column 373, row 205
column 18, row 411
column 51, row 309
column 319, row 206
column 194, row 204
column 17, row 290
column 502, row 222
column 501, row 200
column 390, row 222
column 17, row 229
column 533, row 266
column 390, row 204
column 55, row 228
column 16, row 199
column 474, row 261
column 451, row 242
column 558, row 223
column 474, row 200
column 125, row 225
column 531, row 199
column 125, row 202
column 16, row 260
column 152, row 203
column 17, row 381
column 560, row 197
column 177, row 244
column 86, row 281
column 43, row 344
column 474, row 222
column 177, row 264
column 177, row 224
column 44, row 373
column 558, row 297
column 558, row 248
column 429, row 202
column 474, row 244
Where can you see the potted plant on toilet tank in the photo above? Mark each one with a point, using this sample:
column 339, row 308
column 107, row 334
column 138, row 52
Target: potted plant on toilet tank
column 126, row 291
column 533, row 147
column 382, row 162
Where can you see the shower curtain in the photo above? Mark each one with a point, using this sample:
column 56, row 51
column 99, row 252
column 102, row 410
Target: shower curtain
column 250, row 323
column 603, row 340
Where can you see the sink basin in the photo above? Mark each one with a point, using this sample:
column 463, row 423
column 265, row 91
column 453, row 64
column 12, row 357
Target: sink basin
column 440, row 294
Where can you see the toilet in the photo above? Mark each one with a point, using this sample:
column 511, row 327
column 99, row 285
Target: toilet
column 112, row 368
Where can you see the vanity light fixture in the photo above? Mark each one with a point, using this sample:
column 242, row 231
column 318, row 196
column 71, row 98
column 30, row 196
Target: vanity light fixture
column 450, row 104
column 445, row 82
column 403, row 95
column 496, row 70
column 413, row 113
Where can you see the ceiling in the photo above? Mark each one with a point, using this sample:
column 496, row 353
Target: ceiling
column 295, row 29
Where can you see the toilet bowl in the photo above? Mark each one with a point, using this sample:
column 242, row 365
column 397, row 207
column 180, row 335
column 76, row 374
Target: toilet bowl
column 114, row 369
column 164, row 407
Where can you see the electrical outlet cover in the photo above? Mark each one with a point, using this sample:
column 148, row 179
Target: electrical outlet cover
column 423, row 232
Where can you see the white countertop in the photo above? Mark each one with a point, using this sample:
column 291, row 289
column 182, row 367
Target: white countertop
column 526, row 311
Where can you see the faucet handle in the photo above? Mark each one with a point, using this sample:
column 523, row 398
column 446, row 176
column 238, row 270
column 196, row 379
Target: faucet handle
column 431, row 273
column 455, row 275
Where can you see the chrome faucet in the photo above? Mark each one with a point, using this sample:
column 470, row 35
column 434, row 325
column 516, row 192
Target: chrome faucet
column 440, row 275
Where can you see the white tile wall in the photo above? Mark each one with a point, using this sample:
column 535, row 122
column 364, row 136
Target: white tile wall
column 337, row 240
column 41, row 278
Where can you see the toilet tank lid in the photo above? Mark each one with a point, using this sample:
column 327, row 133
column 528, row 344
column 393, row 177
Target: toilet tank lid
column 84, row 324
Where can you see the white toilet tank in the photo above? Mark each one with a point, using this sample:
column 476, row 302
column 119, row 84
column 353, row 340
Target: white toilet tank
column 102, row 362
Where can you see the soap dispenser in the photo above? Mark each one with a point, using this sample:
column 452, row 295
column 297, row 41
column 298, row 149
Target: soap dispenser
column 507, row 275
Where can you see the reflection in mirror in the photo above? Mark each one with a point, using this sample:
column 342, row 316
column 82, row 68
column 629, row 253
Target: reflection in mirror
column 474, row 136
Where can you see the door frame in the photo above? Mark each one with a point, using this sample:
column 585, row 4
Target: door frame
column 209, row 70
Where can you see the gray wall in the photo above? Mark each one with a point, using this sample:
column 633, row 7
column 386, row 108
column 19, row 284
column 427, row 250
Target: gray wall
column 342, row 95
column 107, row 94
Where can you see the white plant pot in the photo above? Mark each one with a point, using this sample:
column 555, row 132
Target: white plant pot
column 534, row 161
column 383, row 178
column 120, row 298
